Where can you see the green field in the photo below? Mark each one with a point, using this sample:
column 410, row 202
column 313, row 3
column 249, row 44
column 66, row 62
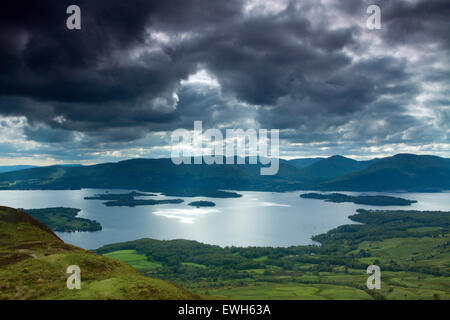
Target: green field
column 289, row 291
column 137, row 261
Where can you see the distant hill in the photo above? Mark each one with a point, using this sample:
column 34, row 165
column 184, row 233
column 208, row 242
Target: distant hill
column 337, row 173
column 157, row 175
column 70, row 165
column 33, row 264
column 336, row 166
column 23, row 167
column 402, row 172
column 303, row 162
column 14, row 168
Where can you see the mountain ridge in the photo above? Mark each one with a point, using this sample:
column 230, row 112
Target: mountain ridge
column 336, row 166
column 403, row 172
column 304, row 162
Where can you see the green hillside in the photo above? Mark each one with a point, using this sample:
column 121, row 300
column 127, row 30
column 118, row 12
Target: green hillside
column 33, row 264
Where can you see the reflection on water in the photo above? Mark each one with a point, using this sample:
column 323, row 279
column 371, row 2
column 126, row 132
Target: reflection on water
column 255, row 219
column 272, row 204
column 184, row 215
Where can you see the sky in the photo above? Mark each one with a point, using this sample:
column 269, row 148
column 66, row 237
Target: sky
column 139, row 69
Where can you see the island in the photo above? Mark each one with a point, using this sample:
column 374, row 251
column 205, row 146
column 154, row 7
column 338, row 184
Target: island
column 62, row 219
column 134, row 203
column 119, row 196
column 128, row 199
column 192, row 192
column 199, row 204
column 364, row 199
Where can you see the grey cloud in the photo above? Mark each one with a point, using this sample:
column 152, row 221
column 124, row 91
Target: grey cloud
column 114, row 83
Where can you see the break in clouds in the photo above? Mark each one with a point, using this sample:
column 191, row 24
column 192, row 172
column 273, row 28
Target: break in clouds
column 138, row 70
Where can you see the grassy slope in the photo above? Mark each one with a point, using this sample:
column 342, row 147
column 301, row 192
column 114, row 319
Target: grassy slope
column 137, row 261
column 33, row 263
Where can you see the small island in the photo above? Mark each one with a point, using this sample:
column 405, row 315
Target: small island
column 63, row 219
column 128, row 199
column 202, row 193
column 134, row 203
column 199, row 204
column 119, row 196
column 365, row 200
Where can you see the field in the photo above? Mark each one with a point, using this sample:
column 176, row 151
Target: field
column 290, row 291
column 137, row 261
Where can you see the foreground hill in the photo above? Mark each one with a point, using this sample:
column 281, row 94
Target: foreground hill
column 33, row 264
column 402, row 172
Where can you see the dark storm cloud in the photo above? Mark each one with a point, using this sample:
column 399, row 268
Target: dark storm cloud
column 423, row 21
column 80, row 74
column 42, row 134
column 310, row 69
column 407, row 21
column 351, row 90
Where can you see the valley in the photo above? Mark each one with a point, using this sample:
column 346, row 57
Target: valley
column 411, row 248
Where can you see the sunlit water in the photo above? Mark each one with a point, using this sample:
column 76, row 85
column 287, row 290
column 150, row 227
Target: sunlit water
column 256, row 219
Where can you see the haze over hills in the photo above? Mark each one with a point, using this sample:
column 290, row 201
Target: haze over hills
column 405, row 172
column 4, row 169
column 14, row 168
column 304, row 162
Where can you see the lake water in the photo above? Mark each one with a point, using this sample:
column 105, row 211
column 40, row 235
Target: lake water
column 256, row 219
